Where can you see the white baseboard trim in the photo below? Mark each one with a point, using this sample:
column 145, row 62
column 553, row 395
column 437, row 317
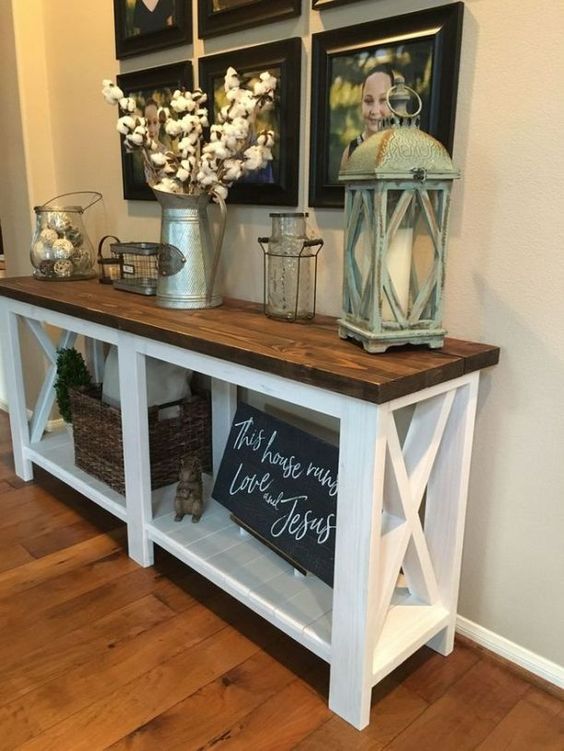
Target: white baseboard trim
column 534, row 663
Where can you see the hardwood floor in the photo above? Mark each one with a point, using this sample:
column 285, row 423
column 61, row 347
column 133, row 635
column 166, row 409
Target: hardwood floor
column 97, row 653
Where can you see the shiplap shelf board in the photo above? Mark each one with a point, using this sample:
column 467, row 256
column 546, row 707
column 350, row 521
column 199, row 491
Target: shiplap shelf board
column 244, row 567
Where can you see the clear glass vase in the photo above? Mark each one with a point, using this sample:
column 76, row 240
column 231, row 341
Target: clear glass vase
column 290, row 268
column 60, row 249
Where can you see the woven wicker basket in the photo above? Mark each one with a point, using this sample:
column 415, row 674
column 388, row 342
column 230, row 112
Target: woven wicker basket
column 98, row 441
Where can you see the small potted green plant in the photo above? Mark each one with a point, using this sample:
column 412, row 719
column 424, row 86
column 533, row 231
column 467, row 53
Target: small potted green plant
column 71, row 372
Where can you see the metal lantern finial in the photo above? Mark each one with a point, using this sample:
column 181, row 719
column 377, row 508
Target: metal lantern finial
column 398, row 185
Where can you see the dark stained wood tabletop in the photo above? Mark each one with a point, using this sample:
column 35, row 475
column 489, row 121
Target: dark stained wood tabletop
column 239, row 332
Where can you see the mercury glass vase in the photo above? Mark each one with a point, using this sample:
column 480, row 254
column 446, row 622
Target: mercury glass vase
column 290, row 268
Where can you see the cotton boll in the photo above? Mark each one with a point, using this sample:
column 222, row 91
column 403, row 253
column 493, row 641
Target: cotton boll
column 260, row 88
column 134, row 140
column 231, row 80
column 182, row 104
column 174, row 128
column 233, row 170
column 127, row 104
column 182, row 174
column 168, row 185
column 111, row 93
column 125, row 124
column 159, row 160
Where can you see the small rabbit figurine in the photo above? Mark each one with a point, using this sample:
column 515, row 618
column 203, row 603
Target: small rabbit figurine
column 188, row 498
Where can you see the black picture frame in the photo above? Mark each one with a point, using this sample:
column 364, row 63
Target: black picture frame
column 282, row 59
column 242, row 14
column 129, row 43
column 322, row 4
column 441, row 45
column 143, row 85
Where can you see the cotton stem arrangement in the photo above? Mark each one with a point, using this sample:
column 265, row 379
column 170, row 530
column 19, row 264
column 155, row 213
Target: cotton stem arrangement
column 194, row 166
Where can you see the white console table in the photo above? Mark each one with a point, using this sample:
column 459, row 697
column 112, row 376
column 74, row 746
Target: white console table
column 372, row 619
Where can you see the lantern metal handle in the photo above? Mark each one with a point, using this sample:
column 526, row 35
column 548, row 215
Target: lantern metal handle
column 401, row 86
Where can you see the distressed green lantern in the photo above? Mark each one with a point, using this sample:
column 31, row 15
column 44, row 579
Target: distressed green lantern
column 397, row 199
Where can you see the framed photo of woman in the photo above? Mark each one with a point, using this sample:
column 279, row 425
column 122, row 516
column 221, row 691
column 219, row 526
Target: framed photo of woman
column 149, row 25
column 223, row 16
column 276, row 184
column 151, row 89
column 352, row 70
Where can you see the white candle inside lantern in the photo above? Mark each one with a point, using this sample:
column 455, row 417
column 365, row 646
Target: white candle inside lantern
column 398, row 261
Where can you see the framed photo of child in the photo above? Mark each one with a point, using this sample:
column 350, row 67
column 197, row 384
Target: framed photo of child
column 151, row 89
column 148, row 25
column 352, row 70
column 277, row 183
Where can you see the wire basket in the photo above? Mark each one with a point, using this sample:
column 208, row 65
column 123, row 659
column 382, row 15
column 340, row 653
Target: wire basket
column 130, row 266
column 98, row 438
column 138, row 267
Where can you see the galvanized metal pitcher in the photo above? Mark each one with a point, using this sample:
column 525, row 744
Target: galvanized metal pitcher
column 188, row 257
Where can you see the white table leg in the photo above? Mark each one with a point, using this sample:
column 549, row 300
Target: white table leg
column 362, row 453
column 445, row 508
column 224, row 406
column 16, row 392
column 134, row 421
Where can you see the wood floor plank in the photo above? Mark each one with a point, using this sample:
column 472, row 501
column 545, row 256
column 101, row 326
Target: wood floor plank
column 134, row 704
column 536, row 723
column 12, row 556
column 120, row 662
column 62, row 537
column 85, row 645
column 60, row 620
column 394, row 708
column 27, row 672
column 278, row 724
column 430, row 675
column 16, row 581
column 466, row 714
column 27, row 502
column 211, row 711
column 38, row 525
column 59, row 590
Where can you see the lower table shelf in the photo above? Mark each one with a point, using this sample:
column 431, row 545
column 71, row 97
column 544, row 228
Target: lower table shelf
column 215, row 547
column 242, row 566
column 55, row 453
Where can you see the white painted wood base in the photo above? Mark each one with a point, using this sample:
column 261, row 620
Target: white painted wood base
column 400, row 506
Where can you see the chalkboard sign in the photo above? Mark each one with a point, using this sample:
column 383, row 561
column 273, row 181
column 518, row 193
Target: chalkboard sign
column 281, row 482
